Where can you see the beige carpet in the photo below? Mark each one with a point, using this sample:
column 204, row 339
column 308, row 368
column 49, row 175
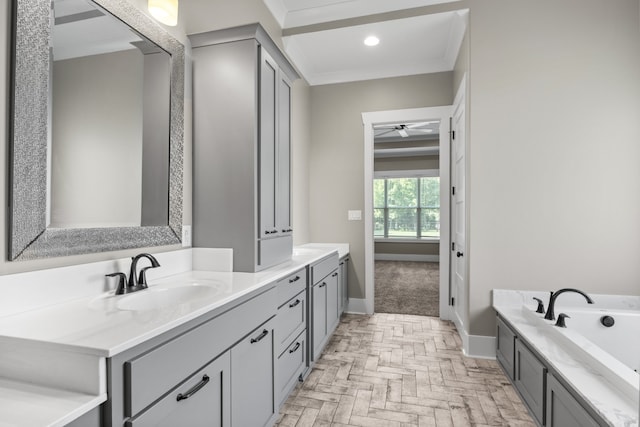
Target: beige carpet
column 405, row 287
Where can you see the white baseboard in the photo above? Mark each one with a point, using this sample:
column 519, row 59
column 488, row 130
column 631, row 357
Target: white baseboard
column 356, row 306
column 407, row 257
column 479, row 346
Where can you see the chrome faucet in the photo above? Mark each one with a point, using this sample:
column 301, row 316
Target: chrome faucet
column 554, row 295
column 133, row 285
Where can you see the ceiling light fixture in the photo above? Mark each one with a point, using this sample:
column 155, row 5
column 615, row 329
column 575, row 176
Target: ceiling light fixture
column 371, row 41
column 165, row 11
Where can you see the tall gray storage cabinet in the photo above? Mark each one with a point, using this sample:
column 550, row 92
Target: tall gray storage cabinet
column 241, row 146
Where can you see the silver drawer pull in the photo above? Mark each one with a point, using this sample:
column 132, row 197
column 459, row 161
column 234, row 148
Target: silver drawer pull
column 293, row 304
column 196, row 388
column 334, row 274
column 322, row 285
column 294, row 349
column 259, row 337
column 295, row 279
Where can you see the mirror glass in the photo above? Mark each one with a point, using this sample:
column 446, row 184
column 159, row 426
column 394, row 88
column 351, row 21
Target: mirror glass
column 97, row 129
column 109, row 127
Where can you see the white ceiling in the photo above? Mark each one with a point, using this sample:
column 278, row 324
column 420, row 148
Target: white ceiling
column 324, row 38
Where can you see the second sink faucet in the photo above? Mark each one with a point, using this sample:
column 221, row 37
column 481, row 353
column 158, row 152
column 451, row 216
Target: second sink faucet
column 554, row 295
column 141, row 283
column 132, row 284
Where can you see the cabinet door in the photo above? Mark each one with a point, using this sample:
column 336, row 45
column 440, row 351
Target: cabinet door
column 563, row 410
column 252, row 400
column 267, row 145
column 202, row 400
column 333, row 299
column 530, row 380
column 505, row 347
column 319, row 325
column 283, row 148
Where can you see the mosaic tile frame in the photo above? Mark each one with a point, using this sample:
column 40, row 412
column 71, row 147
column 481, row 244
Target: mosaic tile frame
column 29, row 236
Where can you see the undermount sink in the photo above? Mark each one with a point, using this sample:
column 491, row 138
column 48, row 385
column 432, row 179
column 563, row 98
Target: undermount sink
column 153, row 299
column 156, row 297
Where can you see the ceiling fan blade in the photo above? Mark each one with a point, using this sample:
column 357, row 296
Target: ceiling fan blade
column 417, row 125
column 422, row 130
column 403, row 133
column 386, row 132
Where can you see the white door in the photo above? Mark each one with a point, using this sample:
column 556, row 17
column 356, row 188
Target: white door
column 458, row 213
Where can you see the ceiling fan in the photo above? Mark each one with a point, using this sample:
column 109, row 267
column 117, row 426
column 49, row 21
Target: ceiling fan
column 402, row 128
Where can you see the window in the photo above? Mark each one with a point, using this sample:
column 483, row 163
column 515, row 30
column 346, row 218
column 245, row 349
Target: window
column 406, row 208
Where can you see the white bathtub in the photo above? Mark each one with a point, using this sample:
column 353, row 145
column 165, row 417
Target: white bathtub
column 614, row 351
column 622, row 340
column 599, row 362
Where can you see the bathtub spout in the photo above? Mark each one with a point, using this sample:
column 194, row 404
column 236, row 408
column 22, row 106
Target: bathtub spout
column 554, row 295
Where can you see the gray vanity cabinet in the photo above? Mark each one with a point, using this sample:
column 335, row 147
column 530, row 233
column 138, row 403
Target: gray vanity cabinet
column 563, row 410
column 505, row 347
column 530, row 377
column 252, row 392
column 319, row 320
column 241, row 143
column 145, row 381
column 291, row 333
column 325, row 302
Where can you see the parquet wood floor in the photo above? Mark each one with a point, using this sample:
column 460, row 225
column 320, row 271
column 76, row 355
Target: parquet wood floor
column 402, row 370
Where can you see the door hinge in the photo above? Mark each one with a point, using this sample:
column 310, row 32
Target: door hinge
column 453, row 301
column 453, row 134
column 453, row 191
column 453, row 246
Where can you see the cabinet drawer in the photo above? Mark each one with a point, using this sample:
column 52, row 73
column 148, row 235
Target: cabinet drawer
column 206, row 403
column 530, row 380
column 290, row 365
column 149, row 376
column 323, row 267
column 505, row 347
column 291, row 285
column 291, row 319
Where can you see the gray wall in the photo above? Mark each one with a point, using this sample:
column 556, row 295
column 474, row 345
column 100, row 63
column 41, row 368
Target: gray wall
column 554, row 149
column 407, row 248
column 337, row 153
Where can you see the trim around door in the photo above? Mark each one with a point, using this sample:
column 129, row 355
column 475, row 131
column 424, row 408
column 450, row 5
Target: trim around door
column 414, row 114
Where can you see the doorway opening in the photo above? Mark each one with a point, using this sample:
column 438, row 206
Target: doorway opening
column 400, row 172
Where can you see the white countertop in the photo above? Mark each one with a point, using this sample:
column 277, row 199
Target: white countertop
column 613, row 402
column 95, row 327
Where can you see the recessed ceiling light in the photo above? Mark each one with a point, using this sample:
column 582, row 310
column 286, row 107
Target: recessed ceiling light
column 371, row 41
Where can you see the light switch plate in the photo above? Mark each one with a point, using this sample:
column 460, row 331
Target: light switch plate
column 186, row 236
column 355, row 215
